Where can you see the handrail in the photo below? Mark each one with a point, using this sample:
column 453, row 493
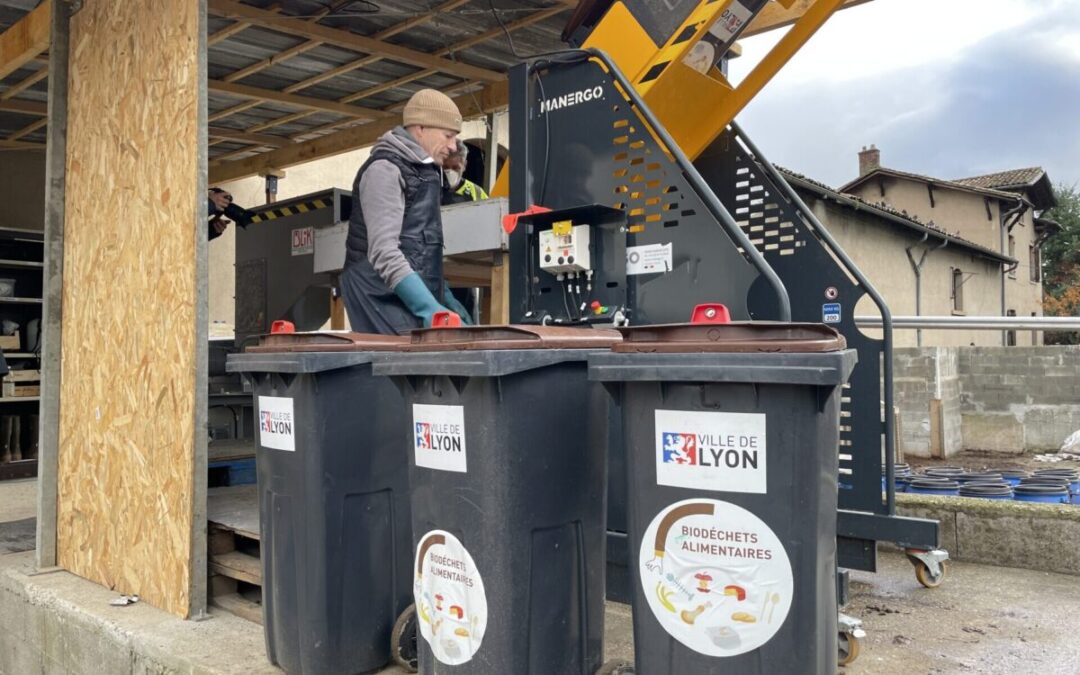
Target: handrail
column 886, row 315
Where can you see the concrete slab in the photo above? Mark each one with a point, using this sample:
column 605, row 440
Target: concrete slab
column 18, row 499
column 982, row 619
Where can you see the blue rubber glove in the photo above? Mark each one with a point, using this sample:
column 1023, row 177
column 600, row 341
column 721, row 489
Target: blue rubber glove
column 456, row 307
column 415, row 294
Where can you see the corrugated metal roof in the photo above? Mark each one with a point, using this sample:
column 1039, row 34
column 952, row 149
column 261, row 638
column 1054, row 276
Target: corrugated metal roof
column 255, row 44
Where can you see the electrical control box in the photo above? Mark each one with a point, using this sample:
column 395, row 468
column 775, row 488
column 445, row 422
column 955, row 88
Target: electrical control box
column 565, row 248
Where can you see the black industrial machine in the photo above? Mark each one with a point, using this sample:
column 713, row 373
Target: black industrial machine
column 279, row 275
column 639, row 234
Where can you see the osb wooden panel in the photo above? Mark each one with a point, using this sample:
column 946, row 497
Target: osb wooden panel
column 129, row 349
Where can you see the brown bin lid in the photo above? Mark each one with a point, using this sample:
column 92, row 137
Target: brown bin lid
column 474, row 338
column 322, row 341
column 742, row 337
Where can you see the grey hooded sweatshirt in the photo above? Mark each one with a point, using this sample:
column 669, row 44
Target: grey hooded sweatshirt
column 382, row 198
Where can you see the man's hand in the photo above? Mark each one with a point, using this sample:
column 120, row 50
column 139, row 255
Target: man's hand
column 221, row 200
column 220, row 225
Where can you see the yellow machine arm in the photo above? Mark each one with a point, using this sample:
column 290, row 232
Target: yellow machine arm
column 680, row 79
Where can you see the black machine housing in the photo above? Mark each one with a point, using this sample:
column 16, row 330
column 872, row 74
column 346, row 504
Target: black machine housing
column 739, row 235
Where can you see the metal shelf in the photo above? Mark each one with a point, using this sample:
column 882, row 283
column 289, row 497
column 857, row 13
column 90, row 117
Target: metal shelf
column 21, row 355
column 19, row 399
column 20, row 301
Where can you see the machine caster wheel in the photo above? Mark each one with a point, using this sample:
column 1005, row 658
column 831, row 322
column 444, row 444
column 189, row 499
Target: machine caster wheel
column 847, row 648
column 403, row 640
column 928, row 578
column 616, row 667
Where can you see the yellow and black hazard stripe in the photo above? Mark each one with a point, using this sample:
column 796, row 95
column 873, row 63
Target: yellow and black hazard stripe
column 291, row 210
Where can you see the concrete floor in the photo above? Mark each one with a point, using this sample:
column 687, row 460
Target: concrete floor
column 18, row 499
column 981, row 620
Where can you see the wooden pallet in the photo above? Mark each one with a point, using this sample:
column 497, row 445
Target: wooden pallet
column 233, row 551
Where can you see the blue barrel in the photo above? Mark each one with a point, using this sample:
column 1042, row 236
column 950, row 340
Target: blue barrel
column 998, row 491
column 944, row 471
column 1013, row 476
column 978, row 477
column 930, row 486
column 1048, row 494
column 1070, row 475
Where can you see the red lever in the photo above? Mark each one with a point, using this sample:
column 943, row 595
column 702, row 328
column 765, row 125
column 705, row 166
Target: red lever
column 446, row 319
column 510, row 220
column 712, row 312
column 282, row 327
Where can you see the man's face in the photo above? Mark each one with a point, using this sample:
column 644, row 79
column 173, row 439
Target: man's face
column 438, row 143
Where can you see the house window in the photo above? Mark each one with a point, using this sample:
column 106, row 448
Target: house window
column 957, row 290
column 1010, row 336
column 1012, row 254
column 1034, row 264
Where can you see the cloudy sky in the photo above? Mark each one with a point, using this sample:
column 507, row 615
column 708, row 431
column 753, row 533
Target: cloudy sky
column 948, row 88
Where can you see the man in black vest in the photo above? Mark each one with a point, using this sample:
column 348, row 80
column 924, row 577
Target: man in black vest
column 393, row 276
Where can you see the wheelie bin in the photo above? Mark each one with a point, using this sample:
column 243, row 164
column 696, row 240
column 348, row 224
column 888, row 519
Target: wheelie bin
column 333, row 499
column 507, row 471
column 732, row 435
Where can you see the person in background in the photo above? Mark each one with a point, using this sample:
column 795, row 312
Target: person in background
column 456, row 187
column 392, row 281
column 219, row 201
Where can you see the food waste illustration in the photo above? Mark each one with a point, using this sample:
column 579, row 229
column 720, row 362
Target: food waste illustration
column 449, row 597
column 716, row 576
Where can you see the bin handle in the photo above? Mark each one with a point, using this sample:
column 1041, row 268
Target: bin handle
column 710, row 312
column 281, row 326
column 445, row 319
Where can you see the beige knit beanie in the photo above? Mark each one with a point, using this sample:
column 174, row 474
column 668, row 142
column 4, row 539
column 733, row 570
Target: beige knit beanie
column 430, row 108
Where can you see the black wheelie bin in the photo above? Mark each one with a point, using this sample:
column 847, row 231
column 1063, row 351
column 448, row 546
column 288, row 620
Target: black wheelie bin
column 507, row 470
column 333, row 499
column 732, row 435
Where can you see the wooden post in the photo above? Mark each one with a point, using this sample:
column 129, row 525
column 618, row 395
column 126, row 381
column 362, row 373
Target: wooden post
column 131, row 502
column 500, row 290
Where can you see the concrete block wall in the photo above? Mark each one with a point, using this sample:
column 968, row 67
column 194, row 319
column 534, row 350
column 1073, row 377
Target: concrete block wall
column 1003, row 399
column 927, row 392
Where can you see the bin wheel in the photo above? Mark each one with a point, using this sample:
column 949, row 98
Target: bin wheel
column 848, row 648
column 926, row 578
column 403, row 640
column 616, row 667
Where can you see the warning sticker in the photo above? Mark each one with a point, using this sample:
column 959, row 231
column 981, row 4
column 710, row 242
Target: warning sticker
column 276, row 423
column 711, row 450
column 649, row 259
column 716, row 577
column 303, row 241
column 830, row 312
column 439, row 437
column 451, row 606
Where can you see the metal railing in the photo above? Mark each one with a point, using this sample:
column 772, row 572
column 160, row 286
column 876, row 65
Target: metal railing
column 1040, row 323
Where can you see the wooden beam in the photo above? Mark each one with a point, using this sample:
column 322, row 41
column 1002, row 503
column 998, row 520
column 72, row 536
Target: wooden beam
column 20, row 145
column 29, row 129
column 232, row 110
column 24, row 107
column 348, row 40
column 288, row 53
column 774, row 15
column 476, row 39
column 311, row 103
column 25, row 84
column 492, row 98
column 250, row 139
column 25, row 39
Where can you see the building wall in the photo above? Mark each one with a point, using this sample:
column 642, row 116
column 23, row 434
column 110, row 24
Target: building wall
column 878, row 248
column 22, row 189
column 956, row 212
column 330, row 172
column 1016, row 399
column 965, row 214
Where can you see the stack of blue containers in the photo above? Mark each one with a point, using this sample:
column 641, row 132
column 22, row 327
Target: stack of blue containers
column 1051, row 486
